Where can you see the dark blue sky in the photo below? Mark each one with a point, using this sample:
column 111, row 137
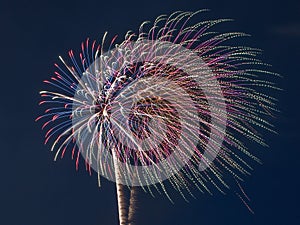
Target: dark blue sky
column 35, row 190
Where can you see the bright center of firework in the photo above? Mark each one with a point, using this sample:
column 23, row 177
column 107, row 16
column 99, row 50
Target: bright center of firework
column 152, row 125
column 147, row 106
column 100, row 109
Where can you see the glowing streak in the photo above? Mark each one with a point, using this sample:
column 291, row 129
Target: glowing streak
column 120, row 193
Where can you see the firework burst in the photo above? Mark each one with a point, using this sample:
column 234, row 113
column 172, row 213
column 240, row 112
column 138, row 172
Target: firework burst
column 172, row 102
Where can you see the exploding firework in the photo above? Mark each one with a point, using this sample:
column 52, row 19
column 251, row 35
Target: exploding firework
column 173, row 102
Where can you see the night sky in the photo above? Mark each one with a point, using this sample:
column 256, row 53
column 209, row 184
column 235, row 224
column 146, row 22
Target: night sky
column 35, row 190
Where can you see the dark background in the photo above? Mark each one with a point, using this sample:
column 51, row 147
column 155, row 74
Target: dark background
column 37, row 191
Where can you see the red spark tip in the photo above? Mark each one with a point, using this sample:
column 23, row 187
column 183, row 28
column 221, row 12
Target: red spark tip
column 37, row 119
column 55, row 117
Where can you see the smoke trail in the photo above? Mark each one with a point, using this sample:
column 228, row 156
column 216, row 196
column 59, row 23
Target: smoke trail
column 132, row 205
column 120, row 193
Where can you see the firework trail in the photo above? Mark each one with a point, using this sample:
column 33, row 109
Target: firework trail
column 120, row 193
column 174, row 102
column 132, row 205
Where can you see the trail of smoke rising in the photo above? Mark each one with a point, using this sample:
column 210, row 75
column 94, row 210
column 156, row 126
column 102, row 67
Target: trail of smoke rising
column 121, row 204
column 120, row 193
column 132, row 205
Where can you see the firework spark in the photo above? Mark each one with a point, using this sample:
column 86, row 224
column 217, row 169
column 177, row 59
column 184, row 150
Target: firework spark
column 172, row 102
